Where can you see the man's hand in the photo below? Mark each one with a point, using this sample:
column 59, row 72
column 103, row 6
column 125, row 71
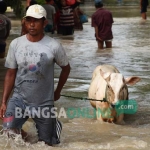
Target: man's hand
column 96, row 34
column 2, row 110
column 98, row 38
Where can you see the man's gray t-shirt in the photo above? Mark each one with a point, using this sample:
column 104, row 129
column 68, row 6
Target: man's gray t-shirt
column 34, row 82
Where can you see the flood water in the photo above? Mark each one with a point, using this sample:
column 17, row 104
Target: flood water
column 131, row 55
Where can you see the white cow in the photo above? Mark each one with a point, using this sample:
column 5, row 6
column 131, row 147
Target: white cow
column 108, row 83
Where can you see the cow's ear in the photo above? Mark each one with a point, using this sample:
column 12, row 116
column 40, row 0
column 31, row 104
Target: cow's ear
column 105, row 75
column 132, row 80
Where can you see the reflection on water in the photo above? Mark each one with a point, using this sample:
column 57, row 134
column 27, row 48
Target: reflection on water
column 130, row 54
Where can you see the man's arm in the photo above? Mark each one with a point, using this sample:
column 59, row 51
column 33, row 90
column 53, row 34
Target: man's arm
column 62, row 80
column 8, row 86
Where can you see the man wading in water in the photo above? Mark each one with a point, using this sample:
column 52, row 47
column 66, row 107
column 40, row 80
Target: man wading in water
column 30, row 62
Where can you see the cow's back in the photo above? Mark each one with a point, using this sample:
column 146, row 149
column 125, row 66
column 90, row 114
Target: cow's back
column 98, row 83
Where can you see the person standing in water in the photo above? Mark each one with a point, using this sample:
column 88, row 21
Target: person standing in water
column 30, row 62
column 102, row 21
column 143, row 5
column 50, row 27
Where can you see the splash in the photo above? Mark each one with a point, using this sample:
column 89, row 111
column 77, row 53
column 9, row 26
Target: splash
column 15, row 141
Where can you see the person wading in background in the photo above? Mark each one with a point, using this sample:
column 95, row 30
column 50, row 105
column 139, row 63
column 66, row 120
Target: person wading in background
column 143, row 5
column 50, row 27
column 102, row 21
column 66, row 19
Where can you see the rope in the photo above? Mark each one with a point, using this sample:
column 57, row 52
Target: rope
column 82, row 98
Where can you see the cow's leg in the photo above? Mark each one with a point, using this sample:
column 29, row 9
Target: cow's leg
column 100, row 116
column 98, row 113
column 103, row 111
column 120, row 119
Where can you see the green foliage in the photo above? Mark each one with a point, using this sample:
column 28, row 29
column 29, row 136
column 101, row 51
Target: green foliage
column 40, row 2
column 10, row 2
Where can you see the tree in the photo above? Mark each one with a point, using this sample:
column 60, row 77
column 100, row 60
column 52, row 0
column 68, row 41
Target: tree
column 40, row 1
column 16, row 5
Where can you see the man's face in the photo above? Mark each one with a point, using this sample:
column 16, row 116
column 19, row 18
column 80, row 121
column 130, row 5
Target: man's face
column 35, row 26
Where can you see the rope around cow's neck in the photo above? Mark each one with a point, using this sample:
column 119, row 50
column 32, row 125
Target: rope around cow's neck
column 83, row 98
column 90, row 99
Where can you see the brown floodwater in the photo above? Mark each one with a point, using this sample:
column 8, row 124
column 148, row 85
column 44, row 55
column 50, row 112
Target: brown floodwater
column 131, row 55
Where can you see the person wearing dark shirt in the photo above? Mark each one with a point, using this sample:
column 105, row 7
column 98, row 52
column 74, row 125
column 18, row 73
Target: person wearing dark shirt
column 50, row 9
column 66, row 16
column 102, row 21
column 78, row 25
column 144, row 4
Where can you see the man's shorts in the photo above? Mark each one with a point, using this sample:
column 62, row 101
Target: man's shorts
column 47, row 126
column 105, row 40
column 2, row 47
column 109, row 40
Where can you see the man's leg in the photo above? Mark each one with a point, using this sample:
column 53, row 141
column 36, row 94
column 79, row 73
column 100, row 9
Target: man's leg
column 143, row 15
column 64, row 30
column 143, row 12
column 46, row 126
column 108, row 44
column 70, row 30
column 100, row 44
column 12, row 124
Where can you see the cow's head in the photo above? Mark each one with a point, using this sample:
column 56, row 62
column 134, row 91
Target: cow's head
column 116, row 88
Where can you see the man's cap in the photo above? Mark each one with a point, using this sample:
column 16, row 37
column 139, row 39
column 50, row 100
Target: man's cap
column 99, row 3
column 36, row 11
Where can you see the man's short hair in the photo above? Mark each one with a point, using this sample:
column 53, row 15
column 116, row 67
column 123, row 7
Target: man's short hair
column 3, row 7
column 32, row 2
column 99, row 4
